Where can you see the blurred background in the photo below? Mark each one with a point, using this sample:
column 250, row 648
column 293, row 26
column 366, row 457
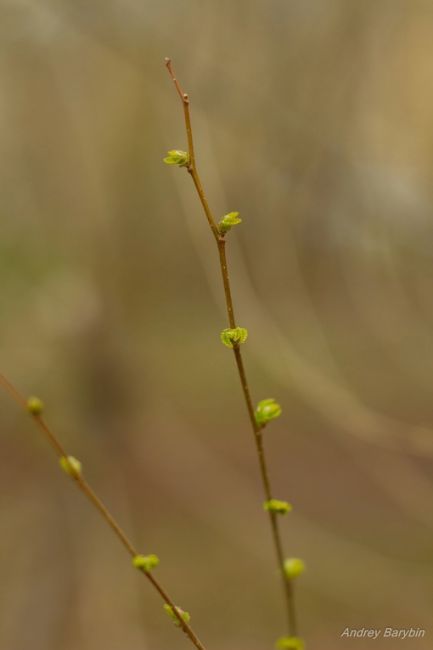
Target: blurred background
column 314, row 119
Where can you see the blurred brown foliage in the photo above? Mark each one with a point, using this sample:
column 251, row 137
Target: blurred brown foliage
column 314, row 119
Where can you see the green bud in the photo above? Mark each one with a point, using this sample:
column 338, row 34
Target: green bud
column 290, row 643
column 277, row 506
column 293, row 567
column 35, row 406
column 70, row 466
column 145, row 562
column 267, row 409
column 228, row 221
column 235, row 336
column 184, row 615
column 177, row 157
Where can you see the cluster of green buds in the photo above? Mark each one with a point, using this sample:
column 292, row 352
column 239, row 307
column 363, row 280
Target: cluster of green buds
column 35, row 406
column 177, row 157
column 228, row 221
column 267, row 410
column 277, row 506
column 233, row 336
column 71, row 466
column 290, row 643
column 184, row 615
column 145, row 562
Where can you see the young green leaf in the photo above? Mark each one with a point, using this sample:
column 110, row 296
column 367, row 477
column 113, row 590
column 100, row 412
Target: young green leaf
column 277, row 506
column 228, row 221
column 293, row 567
column 177, row 157
column 35, row 406
column 145, row 562
column 290, row 643
column 71, row 466
column 267, row 410
column 236, row 336
column 184, row 615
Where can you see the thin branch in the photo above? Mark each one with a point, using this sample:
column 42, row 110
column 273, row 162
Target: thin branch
column 192, row 167
column 185, row 103
column 256, row 428
column 92, row 497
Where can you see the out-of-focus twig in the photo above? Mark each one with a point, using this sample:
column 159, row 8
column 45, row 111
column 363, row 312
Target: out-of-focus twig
column 91, row 496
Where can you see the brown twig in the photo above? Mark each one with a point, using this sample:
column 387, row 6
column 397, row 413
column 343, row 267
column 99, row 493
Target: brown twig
column 256, row 428
column 192, row 168
column 89, row 493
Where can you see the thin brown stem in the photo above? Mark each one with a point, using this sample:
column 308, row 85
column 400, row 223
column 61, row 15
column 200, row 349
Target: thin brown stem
column 192, row 167
column 256, row 428
column 229, row 303
column 266, row 481
column 203, row 200
column 93, row 498
column 185, row 103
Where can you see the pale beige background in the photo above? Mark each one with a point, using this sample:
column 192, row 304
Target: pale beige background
column 314, row 118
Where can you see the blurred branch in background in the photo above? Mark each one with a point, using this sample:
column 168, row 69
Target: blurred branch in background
column 73, row 468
